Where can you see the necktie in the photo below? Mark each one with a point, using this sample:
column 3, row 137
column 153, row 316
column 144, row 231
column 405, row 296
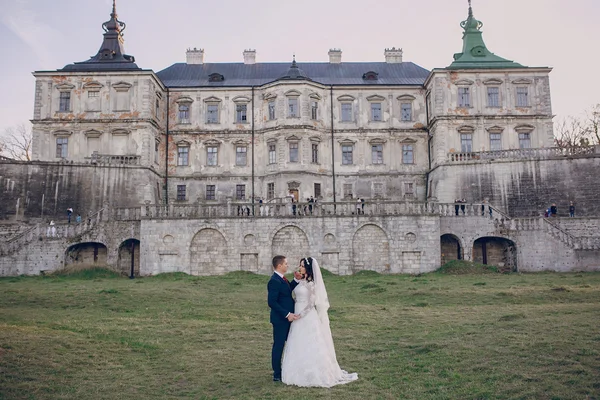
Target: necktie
column 285, row 279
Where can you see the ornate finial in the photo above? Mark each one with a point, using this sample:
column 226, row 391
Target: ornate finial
column 471, row 24
column 114, row 24
column 294, row 65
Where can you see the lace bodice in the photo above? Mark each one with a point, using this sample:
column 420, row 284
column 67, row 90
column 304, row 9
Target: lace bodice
column 305, row 297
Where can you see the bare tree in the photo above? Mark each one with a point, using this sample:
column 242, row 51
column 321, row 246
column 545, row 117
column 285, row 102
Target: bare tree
column 579, row 132
column 17, row 142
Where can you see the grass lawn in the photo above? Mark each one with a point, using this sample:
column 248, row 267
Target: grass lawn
column 436, row 336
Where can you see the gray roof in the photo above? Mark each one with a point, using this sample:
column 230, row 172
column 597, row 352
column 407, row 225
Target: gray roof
column 240, row 74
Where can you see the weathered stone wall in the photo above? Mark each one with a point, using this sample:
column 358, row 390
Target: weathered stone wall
column 579, row 226
column 48, row 253
column 535, row 247
column 523, row 188
column 344, row 245
column 45, row 190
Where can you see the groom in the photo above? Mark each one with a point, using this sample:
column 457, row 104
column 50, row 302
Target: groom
column 282, row 310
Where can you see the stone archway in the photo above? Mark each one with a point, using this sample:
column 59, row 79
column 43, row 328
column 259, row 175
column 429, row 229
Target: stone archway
column 371, row 249
column 85, row 255
column 290, row 241
column 209, row 254
column 129, row 251
column 451, row 249
column 496, row 251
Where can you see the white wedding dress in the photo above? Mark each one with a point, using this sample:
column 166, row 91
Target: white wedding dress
column 309, row 355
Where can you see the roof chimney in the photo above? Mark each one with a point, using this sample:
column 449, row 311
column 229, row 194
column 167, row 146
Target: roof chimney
column 393, row 56
column 195, row 56
column 249, row 56
column 335, row 56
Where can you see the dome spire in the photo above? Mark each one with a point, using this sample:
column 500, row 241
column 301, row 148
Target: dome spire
column 112, row 53
column 475, row 53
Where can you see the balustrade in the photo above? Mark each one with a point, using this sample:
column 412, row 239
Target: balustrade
column 520, row 154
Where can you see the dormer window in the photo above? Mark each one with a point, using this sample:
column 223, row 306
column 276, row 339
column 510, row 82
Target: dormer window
column 215, row 77
column 370, row 76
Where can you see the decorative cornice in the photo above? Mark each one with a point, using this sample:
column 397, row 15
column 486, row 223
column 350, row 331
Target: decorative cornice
column 64, row 87
column 346, row 97
column 122, row 86
column 493, row 82
column 375, row 97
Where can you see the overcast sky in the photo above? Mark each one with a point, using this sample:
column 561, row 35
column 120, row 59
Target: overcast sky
column 46, row 35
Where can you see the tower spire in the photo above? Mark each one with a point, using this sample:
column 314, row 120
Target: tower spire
column 475, row 53
column 112, row 50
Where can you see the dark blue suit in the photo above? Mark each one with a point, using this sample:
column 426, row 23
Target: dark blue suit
column 281, row 302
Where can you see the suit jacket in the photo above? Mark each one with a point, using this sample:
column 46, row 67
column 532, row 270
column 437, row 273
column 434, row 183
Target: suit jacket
column 279, row 298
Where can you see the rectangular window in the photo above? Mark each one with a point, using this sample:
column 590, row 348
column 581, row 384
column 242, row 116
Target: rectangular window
column 346, row 112
column 184, row 114
column 93, row 93
column 466, row 142
column 181, row 192
column 317, row 190
column 157, row 108
column 493, row 94
column 183, row 154
column 347, row 155
column 65, row 102
column 294, row 152
column 240, row 156
column 409, row 190
column 211, row 192
column 315, row 153
column 62, row 147
column 375, row 111
column 524, row 140
column 406, row 111
column 270, row 191
column 314, row 111
column 240, row 192
column 347, row 190
column 407, row 154
column 272, row 154
column 522, row 96
column 495, row 141
column 241, row 116
column 271, row 110
column 212, row 113
column 212, row 156
column 293, row 107
column 464, row 97
column 377, row 154
column 378, row 190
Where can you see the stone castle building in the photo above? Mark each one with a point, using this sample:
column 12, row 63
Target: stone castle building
column 197, row 146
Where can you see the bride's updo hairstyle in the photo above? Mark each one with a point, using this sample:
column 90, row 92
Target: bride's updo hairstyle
column 309, row 269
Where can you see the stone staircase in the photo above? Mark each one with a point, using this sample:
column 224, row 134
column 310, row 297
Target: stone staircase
column 41, row 232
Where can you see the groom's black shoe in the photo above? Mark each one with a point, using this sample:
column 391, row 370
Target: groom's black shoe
column 276, row 379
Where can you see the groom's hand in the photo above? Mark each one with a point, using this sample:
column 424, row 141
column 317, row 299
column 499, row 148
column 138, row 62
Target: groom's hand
column 297, row 275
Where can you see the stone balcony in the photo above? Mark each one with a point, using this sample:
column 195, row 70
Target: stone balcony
column 523, row 154
column 113, row 159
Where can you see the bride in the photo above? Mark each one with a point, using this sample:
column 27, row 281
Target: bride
column 309, row 356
